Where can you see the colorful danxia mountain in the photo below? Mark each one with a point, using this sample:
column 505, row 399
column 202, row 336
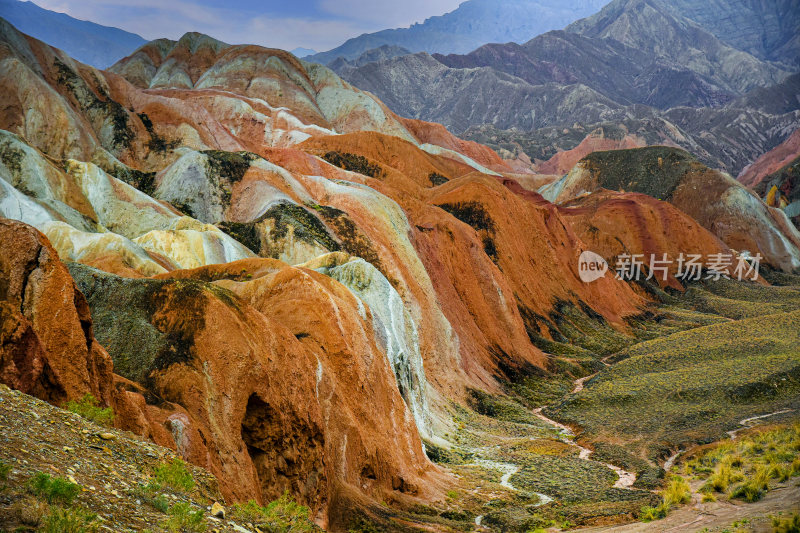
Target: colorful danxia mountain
column 243, row 291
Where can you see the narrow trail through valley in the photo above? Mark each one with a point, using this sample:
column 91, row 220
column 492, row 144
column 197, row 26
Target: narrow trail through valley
column 625, row 479
column 747, row 423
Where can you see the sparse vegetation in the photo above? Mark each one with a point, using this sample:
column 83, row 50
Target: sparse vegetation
column 230, row 166
column 743, row 469
column 89, row 408
column 5, row 470
column 677, row 492
column 437, row 179
column 472, row 213
column 174, row 475
column 69, row 520
column 354, row 163
column 150, row 494
column 692, row 385
column 184, row 519
column 96, row 103
column 54, row 490
column 788, row 524
column 283, row 515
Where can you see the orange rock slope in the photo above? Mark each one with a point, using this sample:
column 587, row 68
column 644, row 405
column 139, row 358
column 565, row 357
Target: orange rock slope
column 719, row 203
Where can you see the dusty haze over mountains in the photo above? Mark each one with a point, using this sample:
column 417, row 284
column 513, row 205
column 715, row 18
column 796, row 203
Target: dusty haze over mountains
column 523, row 266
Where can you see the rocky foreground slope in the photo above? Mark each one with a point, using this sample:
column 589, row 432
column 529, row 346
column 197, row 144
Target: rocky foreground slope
column 268, row 271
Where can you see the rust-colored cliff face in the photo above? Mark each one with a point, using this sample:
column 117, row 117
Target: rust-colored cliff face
column 47, row 346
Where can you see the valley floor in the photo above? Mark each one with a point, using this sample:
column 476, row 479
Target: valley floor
column 719, row 516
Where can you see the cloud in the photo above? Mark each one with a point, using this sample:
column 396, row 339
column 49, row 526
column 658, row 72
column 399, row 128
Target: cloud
column 328, row 25
column 389, row 14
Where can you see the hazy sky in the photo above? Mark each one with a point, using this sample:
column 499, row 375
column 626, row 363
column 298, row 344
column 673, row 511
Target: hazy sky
column 317, row 24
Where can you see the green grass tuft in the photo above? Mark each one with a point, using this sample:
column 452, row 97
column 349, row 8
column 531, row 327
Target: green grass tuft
column 789, row 524
column 174, row 475
column 88, row 407
column 283, row 515
column 72, row 520
column 54, row 490
column 183, row 519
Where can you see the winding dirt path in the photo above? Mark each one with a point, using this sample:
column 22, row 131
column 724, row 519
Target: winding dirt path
column 747, row 423
column 625, row 479
column 580, row 382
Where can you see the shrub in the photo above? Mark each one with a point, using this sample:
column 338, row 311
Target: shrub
column 790, row 524
column 73, row 520
column 283, row 515
column 175, row 475
column 754, row 488
column 648, row 514
column 748, row 492
column 29, row 510
column 795, row 467
column 708, row 497
column 183, row 519
column 54, row 490
column 149, row 494
column 437, row 179
column 88, row 407
column 780, row 472
column 722, row 478
column 677, row 492
column 5, row 470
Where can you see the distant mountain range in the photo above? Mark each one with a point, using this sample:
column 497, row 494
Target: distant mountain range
column 93, row 44
column 472, row 24
column 769, row 30
column 702, row 75
column 636, row 62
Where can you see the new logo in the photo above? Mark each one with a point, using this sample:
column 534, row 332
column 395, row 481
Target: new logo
column 591, row 266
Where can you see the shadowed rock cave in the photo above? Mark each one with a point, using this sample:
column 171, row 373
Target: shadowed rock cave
column 287, row 453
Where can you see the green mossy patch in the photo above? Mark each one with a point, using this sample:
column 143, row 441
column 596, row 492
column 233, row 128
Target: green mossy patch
column 246, row 233
column 441, row 455
column 354, row 163
column 229, row 166
column 306, row 226
column 157, row 143
column 475, row 214
column 147, row 325
column 265, row 239
column 143, row 181
column 656, row 170
column 353, row 240
column 499, row 407
column 11, row 157
column 471, row 213
column 437, row 179
column 97, row 105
